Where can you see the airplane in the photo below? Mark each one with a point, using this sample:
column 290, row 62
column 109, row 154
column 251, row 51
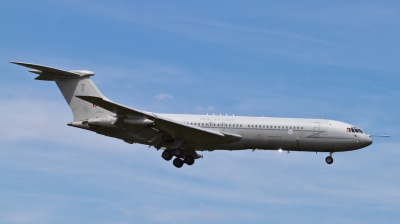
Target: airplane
column 183, row 135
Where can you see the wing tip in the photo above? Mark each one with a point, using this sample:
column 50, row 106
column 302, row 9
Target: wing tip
column 21, row 63
column 15, row 62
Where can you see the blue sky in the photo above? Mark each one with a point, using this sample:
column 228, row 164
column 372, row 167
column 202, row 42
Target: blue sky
column 310, row 59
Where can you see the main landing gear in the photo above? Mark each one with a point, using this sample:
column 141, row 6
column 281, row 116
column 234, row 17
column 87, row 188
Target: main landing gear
column 180, row 159
column 329, row 159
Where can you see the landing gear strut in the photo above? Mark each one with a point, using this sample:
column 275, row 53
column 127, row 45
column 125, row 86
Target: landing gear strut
column 329, row 159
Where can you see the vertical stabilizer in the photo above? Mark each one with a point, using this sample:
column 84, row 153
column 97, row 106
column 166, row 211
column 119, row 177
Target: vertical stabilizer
column 81, row 109
column 72, row 83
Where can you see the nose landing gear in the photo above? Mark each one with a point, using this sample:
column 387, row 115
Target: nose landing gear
column 329, row 159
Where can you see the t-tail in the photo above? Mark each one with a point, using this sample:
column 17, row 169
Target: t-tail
column 71, row 84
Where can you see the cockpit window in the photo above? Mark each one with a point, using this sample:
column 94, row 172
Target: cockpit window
column 354, row 129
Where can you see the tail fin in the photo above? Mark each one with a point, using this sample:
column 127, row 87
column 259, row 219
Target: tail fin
column 72, row 83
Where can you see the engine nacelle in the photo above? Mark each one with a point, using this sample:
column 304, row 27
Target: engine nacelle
column 102, row 122
column 133, row 121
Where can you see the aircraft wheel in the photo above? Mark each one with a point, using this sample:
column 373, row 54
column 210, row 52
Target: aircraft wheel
column 188, row 160
column 329, row 160
column 179, row 153
column 167, row 155
column 178, row 163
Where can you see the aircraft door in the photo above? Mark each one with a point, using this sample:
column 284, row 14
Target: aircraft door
column 316, row 129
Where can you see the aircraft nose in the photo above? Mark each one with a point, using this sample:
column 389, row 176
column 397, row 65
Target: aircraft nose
column 368, row 140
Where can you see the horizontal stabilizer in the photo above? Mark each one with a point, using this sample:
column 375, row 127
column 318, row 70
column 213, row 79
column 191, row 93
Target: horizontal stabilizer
column 52, row 74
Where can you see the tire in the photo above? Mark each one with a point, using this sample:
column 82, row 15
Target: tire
column 188, row 160
column 179, row 153
column 329, row 160
column 178, row 163
column 167, row 155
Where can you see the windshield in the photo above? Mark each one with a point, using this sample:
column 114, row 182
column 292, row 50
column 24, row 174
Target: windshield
column 354, row 129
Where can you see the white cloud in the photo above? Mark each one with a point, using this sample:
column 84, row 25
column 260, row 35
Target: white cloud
column 162, row 96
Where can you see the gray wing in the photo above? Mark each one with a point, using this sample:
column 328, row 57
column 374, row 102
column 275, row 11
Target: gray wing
column 178, row 130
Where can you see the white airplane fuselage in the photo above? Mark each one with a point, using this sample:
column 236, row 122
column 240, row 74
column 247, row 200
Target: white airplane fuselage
column 290, row 134
column 182, row 135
